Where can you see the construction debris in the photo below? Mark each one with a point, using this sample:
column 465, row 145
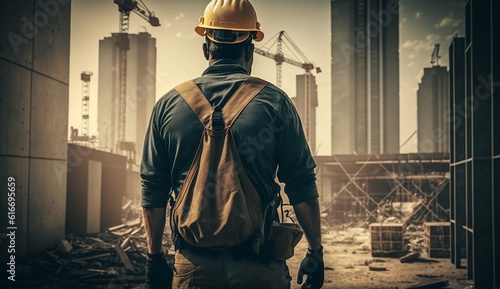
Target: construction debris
column 65, row 246
column 410, row 257
column 123, row 257
column 368, row 262
column 434, row 284
column 116, row 256
column 377, row 268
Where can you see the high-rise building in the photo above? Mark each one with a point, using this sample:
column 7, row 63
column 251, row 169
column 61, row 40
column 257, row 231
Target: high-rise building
column 306, row 83
column 433, row 103
column 141, row 90
column 365, row 76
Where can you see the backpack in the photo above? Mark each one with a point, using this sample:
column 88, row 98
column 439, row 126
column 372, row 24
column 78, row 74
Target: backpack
column 218, row 206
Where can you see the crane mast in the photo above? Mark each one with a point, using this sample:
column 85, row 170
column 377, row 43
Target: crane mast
column 85, row 77
column 280, row 58
column 122, row 42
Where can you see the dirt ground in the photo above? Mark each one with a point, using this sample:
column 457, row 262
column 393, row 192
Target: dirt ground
column 346, row 257
column 346, row 254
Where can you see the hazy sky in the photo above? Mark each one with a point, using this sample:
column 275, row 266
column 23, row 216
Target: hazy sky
column 422, row 24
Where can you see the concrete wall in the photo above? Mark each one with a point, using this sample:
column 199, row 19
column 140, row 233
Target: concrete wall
column 34, row 73
column 96, row 185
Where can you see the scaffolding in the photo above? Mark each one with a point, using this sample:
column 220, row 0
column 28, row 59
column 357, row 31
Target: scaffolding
column 411, row 188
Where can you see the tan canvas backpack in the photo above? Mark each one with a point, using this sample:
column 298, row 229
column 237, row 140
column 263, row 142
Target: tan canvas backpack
column 217, row 205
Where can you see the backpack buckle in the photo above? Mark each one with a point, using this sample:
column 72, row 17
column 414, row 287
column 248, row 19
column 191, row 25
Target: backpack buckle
column 217, row 123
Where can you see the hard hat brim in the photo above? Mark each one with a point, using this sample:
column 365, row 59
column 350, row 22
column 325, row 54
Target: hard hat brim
column 202, row 31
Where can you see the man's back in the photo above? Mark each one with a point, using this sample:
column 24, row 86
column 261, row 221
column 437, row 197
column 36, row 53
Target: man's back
column 270, row 143
column 266, row 133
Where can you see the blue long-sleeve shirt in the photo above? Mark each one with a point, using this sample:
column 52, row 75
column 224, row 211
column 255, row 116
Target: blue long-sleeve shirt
column 268, row 134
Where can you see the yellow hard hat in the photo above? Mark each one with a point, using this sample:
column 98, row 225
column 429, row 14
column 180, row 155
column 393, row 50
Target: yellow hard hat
column 229, row 21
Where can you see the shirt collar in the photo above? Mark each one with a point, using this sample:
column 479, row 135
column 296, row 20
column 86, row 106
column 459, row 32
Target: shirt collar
column 225, row 67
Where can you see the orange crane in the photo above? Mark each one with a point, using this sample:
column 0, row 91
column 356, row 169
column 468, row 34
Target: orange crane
column 122, row 42
column 280, row 58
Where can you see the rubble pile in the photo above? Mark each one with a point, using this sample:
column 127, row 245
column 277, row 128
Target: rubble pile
column 115, row 258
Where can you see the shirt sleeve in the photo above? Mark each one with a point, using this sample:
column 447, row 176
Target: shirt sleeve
column 295, row 162
column 155, row 165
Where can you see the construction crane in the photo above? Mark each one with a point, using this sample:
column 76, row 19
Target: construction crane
column 85, row 77
column 280, row 58
column 84, row 138
column 122, row 42
column 435, row 55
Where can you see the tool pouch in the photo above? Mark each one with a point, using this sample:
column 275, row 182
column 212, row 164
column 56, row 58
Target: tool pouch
column 284, row 238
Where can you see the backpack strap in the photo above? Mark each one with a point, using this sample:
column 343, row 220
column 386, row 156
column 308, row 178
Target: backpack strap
column 239, row 100
column 196, row 100
column 231, row 110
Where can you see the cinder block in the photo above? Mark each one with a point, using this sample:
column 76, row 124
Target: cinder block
column 437, row 239
column 49, row 118
column 386, row 239
column 15, row 82
column 47, row 204
column 17, row 31
column 52, row 42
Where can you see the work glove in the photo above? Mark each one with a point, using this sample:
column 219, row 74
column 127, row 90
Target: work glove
column 314, row 268
column 158, row 274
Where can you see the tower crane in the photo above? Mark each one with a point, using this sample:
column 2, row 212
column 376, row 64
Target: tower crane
column 280, row 58
column 122, row 42
column 85, row 77
column 84, row 138
column 435, row 55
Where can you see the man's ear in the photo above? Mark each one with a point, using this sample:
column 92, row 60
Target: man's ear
column 249, row 52
column 205, row 51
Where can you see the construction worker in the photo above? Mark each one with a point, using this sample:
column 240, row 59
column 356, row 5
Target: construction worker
column 270, row 141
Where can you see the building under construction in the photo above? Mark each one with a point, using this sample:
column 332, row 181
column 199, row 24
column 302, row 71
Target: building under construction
column 458, row 188
column 365, row 76
column 306, row 102
column 475, row 144
column 140, row 90
column 306, row 98
column 363, row 189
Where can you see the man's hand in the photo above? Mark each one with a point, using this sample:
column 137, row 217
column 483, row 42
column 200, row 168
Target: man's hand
column 158, row 274
column 314, row 268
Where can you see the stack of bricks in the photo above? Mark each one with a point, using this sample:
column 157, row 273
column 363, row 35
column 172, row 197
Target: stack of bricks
column 386, row 239
column 437, row 239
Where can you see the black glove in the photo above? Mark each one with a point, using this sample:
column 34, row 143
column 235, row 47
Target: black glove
column 158, row 274
column 314, row 268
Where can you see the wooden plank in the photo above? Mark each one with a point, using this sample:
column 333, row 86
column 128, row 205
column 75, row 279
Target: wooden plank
column 124, row 258
column 432, row 284
column 93, row 257
column 410, row 257
column 65, row 246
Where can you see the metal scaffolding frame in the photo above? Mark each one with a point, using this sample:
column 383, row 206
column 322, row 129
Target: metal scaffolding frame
column 418, row 178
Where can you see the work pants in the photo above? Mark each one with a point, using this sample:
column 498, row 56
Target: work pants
column 224, row 270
